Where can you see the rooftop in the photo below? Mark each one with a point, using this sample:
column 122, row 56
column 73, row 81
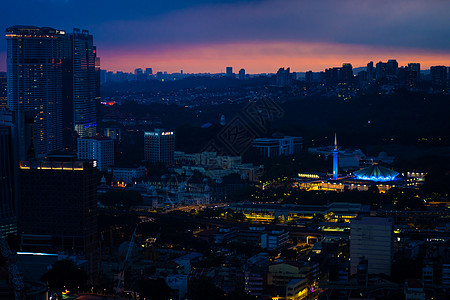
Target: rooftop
column 376, row 173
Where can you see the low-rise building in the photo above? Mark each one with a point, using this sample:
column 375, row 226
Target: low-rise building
column 274, row 239
column 278, row 145
column 127, row 175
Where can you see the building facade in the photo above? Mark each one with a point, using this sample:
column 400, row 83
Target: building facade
column 159, row 146
column 34, row 65
column 278, row 145
column 128, row 175
column 372, row 238
column 85, row 83
column 55, row 75
column 3, row 90
column 58, row 207
column 98, row 149
column 8, row 216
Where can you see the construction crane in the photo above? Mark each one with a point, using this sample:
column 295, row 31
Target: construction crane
column 124, row 262
column 13, row 271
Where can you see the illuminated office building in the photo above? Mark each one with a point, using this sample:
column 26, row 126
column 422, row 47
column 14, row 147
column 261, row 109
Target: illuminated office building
column 34, row 65
column 159, row 146
column 55, row 75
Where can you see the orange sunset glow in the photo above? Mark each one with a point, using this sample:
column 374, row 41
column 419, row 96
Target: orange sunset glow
column 262, row 57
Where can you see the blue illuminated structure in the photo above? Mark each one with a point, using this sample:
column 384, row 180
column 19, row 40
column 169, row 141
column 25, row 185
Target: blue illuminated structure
column 376, row 173
column 335, row 159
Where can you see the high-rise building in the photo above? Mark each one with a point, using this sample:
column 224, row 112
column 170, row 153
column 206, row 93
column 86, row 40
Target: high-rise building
column 229, row 71
column 58, row 207
column 85, row 83
column 372, row 238
column 103, row 75
column 381, row 70
column 8, row 216
column 148, row 71
column 241, row 74
column 391, row 67
column 15, row 144
column 438, row 75
column 284, row 76
column 331, row 76
column 413, row 74
column 98, row 149
column 346, row 73
column 3, row 90
column 370, row 71
column 309, row 76
column 415, row 67
column 159, row 146
column 55, row 75
column 34, row 65
column 138, row 72
column 362, row 76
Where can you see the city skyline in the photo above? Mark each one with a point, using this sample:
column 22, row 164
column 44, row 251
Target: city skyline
column 260, row 36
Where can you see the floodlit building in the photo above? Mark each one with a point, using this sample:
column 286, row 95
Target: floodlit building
column 376, row 173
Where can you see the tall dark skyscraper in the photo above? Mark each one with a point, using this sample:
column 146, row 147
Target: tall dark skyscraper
column 391, row 67
column 34, row 65
column 241, row 74
column 8, row 221
column 16, row 132
column 58, row 207
column 85, row 83
column 229, row 71
column 55, row 75
column 284, row 76
column 3, row 90
column 370, row 71
column 438, row 75
column 346, row 73
column 309, row 76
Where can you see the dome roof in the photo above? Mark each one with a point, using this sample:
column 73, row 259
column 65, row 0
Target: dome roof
column 376, row 173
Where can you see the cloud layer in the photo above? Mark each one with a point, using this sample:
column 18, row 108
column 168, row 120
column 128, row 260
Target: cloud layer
column 136, row 28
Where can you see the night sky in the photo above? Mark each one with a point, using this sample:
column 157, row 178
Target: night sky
column 260, row 36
